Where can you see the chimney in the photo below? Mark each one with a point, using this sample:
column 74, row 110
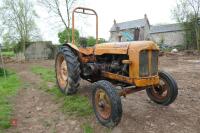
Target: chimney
column 116, row 26
column 145, row 16
column 147, row 20
column 115, row 22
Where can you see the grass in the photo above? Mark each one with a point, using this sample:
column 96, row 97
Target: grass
column 87, row 128
column 46, row 74
column 8, row 88
column 75, row 105
column 8, row 53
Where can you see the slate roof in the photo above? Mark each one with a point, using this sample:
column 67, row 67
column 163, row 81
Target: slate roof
column 165, row 28
column 129, row 24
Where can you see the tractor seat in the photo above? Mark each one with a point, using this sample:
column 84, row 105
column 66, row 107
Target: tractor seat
column 87, row 50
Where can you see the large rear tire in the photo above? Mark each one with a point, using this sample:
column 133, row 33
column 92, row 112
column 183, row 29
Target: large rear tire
column 166, row 92
column 67, row 70
column 106, row 103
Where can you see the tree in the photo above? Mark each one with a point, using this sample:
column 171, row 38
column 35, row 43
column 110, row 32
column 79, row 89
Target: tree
column 7, row 42
column 83, row 41
column 56, row 6
column 91, row 41
column 187, row 12
column 64, row 35
column 190, row 33
column 101, row 40
column 18, row 18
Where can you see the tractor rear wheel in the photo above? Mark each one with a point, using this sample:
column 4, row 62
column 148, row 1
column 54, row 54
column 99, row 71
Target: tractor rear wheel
column 166, row 92
column 106, row 103
column 67, row 70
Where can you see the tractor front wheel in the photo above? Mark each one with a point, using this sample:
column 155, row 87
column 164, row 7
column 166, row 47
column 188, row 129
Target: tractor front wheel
column 106, row 103
column 166, row 92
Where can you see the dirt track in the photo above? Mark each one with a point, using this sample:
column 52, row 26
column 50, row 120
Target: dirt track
column 36, row 111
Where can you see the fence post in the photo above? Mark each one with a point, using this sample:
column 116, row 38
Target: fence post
column 4, row 71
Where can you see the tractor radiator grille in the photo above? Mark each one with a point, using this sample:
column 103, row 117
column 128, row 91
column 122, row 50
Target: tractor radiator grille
column 154, row 62
column 148, row 64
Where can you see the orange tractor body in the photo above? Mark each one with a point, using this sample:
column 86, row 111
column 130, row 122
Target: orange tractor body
column 130, row 66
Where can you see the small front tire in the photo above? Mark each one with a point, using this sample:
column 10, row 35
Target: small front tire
column 166, row 92
column 106, row 103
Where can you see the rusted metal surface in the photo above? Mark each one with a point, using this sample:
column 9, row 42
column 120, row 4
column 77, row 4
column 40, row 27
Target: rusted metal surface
column 132, row 49
column 61, row 71
column 86, row 59
column 117, row 77
column 147, row 81
column 126, row 61
column 87, row 51
column 126, row 91
column 87, row 55
column 111, row 48
column 72, row 46
column 134, row 54
column 103, row 104
column 124, row 47
column 83, row 10
column 161, row 91
column 139, row 82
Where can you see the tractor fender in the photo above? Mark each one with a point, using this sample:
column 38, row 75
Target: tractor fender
column 74, row 47
column 85, row 51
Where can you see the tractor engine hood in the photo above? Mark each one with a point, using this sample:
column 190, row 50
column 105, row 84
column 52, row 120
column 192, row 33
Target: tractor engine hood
column 124, row 47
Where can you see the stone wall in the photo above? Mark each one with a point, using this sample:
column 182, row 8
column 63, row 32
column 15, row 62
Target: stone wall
column 170, row 38
column 114, row 37
column 40, row 50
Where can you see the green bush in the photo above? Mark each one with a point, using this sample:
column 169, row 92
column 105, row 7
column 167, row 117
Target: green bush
column 2, row 72
column 8, row 53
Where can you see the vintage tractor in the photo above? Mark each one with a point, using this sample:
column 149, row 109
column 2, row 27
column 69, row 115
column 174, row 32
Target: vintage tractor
column 115, row 69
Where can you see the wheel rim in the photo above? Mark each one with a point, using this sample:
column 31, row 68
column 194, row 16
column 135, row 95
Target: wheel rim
column 62, row 71
column 161, row 91
column 103, row 105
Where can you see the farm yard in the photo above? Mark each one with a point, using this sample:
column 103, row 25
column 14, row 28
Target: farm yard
column 87, row 67
column 39, row 106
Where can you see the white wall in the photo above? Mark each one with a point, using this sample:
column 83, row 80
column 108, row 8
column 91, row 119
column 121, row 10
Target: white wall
column 170, row 38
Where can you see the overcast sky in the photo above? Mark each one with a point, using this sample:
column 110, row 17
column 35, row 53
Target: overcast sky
column 158, row 12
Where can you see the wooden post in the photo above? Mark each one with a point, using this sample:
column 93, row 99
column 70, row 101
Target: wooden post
column 197, row 32
column 4, row 71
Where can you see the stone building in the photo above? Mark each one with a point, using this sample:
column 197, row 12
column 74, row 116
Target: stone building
column 40, row 50
column 170, row 34
column 130, row 30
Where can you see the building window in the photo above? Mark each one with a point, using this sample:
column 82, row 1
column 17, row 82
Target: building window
column 119, row 38
column 136, row 34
